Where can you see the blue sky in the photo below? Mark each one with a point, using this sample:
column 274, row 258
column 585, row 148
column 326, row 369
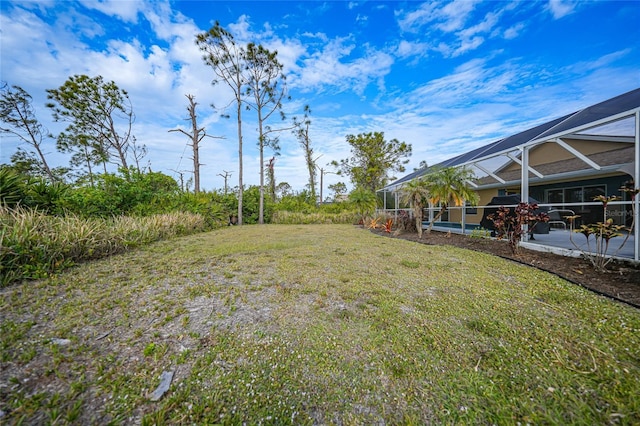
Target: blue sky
column 445, row 77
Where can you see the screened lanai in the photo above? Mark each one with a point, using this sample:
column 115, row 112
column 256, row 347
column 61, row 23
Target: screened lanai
column 562, row 164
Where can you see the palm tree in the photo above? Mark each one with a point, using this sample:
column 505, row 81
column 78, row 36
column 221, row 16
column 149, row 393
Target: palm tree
column 450, row 185
column 415, row 193
column 364, row 201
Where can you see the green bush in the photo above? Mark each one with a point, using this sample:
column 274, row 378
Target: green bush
column 46, row 196
column 364, row 202
column 251, row 206
column 126, row 193
column 214, row 207
column 335, row 208
column 301, row 202
column 12, row 189
column 27, row 191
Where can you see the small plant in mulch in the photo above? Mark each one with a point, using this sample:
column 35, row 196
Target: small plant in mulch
column 602, row 233
column 373, row 223
column 513, row 225
column 480, row 233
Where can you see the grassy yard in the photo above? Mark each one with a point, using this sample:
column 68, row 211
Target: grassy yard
column 314, row 324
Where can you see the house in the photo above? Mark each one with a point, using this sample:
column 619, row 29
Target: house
column 563, row 163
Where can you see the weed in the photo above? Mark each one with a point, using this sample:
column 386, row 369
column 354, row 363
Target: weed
column 150, row 349
column 410, row 263
column 185, row 321
column 480, row 233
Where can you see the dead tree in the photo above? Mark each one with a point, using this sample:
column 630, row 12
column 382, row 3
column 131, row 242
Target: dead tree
column 196, row 136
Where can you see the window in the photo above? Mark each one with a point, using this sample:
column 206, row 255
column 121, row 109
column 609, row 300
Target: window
column 590, row 192
column 469, row 209
column 576, row 194
column 571, row 197
column 555, row 196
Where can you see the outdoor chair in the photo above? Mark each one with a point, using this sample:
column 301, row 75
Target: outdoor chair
column 556, row 217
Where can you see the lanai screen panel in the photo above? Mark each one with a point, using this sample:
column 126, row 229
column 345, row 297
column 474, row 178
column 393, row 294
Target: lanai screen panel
column 514, row 141
column 407, row 178
column 594, row 113
column 503, row 145
column 468, row 156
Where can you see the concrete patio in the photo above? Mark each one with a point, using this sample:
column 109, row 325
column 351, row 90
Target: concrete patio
column 559, row 241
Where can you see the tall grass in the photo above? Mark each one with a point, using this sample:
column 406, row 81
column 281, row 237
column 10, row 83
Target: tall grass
column 34, row 244
column 302, row 218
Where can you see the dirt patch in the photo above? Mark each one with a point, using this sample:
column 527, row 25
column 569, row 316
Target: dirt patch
column 621, row 282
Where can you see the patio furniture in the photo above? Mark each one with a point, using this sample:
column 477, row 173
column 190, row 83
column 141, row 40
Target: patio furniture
column 556, row 217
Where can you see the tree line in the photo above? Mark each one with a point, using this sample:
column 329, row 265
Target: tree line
column 100, row 117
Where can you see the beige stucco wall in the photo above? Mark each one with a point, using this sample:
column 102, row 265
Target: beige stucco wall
column 455, row 215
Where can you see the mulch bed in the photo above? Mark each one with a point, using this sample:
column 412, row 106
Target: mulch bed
column 620, row 282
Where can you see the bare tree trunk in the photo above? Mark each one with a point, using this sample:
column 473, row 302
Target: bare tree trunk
column 240, row 183
column 197, row 135
column 417, row 213
column 195, row 139
column 261, row 137
column 438, row 216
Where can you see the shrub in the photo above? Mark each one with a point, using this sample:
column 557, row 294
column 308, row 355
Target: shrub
column 215, row 208
column 301, row 202
column 251, row 206
column 480, row 233
column 127, row 193
column 12, row 190
column 364, row 202
column 602, row 233
column 513, row 226
column 405, row 222
column 46, row 196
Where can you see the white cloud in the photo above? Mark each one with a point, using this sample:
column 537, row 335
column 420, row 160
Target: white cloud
column 601, row 62
column 329, row 67
column 454, row 15
column 514, row 31
column 241, row 30
column 448, row 25
column 289, row 52
column 561, row 8
column 408, row 49
column 467, row 45
column 126, row 11
column 448, row 18
column 413, row 21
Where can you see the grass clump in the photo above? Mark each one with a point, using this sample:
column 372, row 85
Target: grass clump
column 315, row 326
column 34, row 244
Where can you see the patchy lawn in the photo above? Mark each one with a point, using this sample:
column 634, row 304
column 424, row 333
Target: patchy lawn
column 315, row 324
